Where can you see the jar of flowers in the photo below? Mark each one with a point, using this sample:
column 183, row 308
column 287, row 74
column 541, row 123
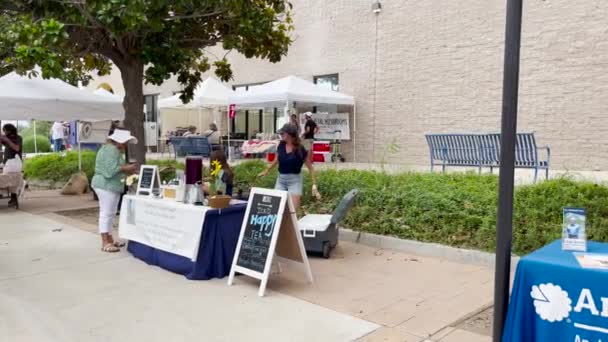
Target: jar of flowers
column 217, row 197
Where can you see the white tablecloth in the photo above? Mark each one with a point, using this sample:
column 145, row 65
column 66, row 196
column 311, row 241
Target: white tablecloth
column 170, row 226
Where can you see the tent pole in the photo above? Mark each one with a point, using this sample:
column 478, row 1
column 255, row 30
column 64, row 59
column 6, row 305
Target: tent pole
column 504, row 229
column 228, row 128
column 200, row 123
column 35, row 142
column 355, row 133
column 79, row 149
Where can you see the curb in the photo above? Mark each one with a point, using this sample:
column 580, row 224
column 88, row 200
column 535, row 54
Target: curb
column 434, row 250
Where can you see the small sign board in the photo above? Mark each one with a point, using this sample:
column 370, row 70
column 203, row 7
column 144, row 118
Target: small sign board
column 269, row 230
column 149, row 181
column 574, row 235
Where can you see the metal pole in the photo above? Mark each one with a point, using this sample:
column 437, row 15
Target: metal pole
column 79, row 148
column 35, row 142
column 504, row 231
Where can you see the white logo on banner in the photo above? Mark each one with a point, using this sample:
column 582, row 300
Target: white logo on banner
column 551, row 302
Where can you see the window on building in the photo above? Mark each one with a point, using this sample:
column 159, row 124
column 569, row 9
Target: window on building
column 328, row 81
column 252, row 121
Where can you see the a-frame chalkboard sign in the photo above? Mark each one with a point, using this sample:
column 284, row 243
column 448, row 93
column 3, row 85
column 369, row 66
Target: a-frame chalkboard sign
column 270, row 228
column 149, row 181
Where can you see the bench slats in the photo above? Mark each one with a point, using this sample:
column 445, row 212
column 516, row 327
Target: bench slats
column 483, row 150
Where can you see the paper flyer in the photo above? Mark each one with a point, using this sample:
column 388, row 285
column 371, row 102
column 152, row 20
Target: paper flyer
column 592, row 260
column 574, row 237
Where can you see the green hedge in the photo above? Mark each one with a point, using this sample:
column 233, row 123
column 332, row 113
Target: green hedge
column 58, row 168
column 44, row 145
column 454, row 209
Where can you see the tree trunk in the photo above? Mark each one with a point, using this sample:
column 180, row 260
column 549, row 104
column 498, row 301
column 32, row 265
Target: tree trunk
column 133, row 78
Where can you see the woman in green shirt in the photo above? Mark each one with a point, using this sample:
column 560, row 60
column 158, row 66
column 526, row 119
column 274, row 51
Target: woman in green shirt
column 110, row 170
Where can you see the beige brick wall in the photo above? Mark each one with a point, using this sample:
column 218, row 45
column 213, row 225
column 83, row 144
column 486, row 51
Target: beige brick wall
column 439, row 69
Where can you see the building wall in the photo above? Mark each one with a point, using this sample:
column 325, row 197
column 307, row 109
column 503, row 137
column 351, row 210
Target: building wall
column 435, row 66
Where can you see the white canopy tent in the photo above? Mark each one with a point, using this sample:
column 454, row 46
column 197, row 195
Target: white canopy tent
column 209, row 93
column 290, row 89
column 25, row 98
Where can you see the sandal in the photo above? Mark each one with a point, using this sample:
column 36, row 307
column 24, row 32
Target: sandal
column 119, row 244
column 110, row 248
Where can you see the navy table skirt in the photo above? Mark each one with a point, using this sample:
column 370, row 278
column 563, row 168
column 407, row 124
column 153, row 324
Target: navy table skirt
column 220, row 235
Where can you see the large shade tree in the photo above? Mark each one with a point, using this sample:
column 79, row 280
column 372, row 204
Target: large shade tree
column 147, row 40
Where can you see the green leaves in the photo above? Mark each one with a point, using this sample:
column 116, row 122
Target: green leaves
column 70, row 39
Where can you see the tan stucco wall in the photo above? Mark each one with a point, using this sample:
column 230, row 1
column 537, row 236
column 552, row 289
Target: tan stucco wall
column 436, row 66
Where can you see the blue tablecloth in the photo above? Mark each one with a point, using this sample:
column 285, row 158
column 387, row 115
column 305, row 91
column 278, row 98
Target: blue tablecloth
column 555, row 299
column 220, row 235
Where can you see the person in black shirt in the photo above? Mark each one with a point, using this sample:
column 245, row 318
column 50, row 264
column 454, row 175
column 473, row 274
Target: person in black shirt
column 310, row 129
column 12, row 142
column 291, row 157
column 13, row 146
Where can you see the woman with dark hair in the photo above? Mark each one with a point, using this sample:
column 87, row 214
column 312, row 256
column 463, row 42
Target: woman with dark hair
column 291, row 156
column 225, row 179
column 13, row 148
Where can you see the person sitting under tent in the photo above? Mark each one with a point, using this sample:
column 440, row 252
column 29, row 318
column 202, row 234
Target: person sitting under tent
column 213, row 135
column 191, row 132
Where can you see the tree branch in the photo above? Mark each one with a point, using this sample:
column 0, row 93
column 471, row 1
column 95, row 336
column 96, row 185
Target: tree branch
column 194, row 15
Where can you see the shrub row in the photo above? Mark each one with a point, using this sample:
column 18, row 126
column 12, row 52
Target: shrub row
column 453, row 209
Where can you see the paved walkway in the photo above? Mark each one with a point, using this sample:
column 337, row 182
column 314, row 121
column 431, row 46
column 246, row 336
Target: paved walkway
column 57, row 286
column 54, row 275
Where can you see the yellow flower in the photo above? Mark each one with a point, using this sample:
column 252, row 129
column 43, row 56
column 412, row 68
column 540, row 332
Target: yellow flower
column 216, row 167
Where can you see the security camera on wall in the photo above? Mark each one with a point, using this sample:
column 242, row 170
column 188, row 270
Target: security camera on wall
column 377, row 6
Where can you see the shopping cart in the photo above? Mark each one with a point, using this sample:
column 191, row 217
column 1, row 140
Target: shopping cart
column 336, row 147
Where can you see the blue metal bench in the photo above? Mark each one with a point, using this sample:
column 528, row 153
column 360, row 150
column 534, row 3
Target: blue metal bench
column 193, row 146
column 483, row 150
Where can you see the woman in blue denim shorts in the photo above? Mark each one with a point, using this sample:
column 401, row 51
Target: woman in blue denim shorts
column 291, row 156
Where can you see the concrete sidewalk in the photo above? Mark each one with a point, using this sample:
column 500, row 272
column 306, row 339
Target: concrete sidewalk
column 58, row 286
column 61, row 279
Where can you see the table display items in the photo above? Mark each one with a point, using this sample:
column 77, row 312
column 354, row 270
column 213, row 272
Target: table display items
column 592, row 260
column 194, row 177
column 559, row 297
column 574, row 236
column 131, row 182
column 217, row 200
column 149, row 181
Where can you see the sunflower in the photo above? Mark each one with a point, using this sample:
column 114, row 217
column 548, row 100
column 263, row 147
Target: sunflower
column 216, row 167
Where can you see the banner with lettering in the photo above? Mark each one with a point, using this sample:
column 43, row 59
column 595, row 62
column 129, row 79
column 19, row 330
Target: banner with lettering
column 329, row 123
column 169, row 226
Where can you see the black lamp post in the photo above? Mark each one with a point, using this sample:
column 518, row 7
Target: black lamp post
column 504, row 229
